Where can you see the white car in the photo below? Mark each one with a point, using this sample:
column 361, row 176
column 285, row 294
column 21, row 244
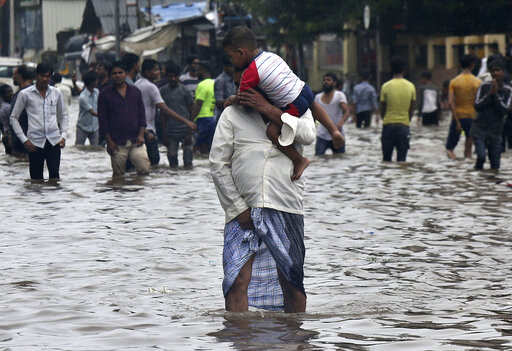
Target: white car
column 7, row 66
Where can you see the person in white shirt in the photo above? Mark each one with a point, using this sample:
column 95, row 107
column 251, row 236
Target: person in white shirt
column 47, row 123
column 334, row 102
column 152, row 100
column 264, row 232
column 63, row 88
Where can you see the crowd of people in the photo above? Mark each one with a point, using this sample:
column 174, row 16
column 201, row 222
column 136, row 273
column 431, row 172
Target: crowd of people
column 252, row 121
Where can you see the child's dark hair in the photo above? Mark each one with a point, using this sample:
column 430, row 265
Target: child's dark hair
column 240, row 37
column 466, row 61
column 397, row 65
column 426, row 75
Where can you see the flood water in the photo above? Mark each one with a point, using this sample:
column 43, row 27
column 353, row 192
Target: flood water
column 399, row 257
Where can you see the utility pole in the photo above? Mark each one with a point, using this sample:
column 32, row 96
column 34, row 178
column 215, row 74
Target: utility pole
column 11, row 28
column 379, row 51
column 118, row 36
column 149, row 13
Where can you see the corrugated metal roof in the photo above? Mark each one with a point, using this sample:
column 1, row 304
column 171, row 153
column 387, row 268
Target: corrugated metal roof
column 178, row 12
column 105, row 11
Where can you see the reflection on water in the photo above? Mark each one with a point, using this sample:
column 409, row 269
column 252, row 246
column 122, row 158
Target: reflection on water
column 399, row 257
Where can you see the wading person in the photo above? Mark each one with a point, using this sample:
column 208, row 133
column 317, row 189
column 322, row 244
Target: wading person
column 123, row 122
column 364, row 98
column 429, row 100
column 178, row 98
column 493, row 101
column 23, row 77
column 87, row 126
column 203, row 110
column 47, row 124
column 397, row 100
column 264, row 233
column 334, row 102
column 153, row 100
column 462, row 93
column 224, row 86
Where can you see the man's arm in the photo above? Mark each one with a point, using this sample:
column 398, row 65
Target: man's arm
column 220, row 168
column 301, row 130
column 142, row 120
column 62, row 118
column 18, row 108
column 86, row 106
column 411, row 109
column 172, row 114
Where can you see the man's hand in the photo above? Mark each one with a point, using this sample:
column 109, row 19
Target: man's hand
column 245, row 220
column 192, row 126
column 140, row 140
column 232, row 100
column 29, row 146
column 494, row 87
column 149, row 135
column 111, row 147
column 252, row 98
column 62, row 143
column 458, row 126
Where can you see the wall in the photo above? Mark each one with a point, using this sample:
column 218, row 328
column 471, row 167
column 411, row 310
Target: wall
column 59, row 15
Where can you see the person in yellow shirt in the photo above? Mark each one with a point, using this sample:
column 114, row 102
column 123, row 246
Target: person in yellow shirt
column 203, row 110
column 462, row 94
column 397, row 101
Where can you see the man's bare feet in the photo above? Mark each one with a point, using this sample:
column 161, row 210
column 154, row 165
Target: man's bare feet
column 338, row 140
column 451, row 154
column 298, row 168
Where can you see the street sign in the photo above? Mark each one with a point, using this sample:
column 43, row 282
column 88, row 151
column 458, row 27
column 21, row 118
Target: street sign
column 366, row 17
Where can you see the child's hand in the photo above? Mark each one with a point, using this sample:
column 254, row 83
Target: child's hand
column 232, row 100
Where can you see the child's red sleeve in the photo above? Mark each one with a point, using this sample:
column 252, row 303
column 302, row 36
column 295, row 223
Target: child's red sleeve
column 250, row 78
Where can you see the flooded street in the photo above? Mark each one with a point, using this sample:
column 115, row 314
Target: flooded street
column 399, row 257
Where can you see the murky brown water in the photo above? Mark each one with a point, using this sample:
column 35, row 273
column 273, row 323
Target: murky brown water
column 399, row 257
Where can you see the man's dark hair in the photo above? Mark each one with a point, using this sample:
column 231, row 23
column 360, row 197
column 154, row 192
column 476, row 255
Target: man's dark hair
column 26, row 73
column 171, row 67
column 331, row 75
column 497, row 63
column 56, row 77
column 129, row 60
column 397, row 65
column 105, row 64
column 149, row 65
column 205, row 66
column 43, row 68
column 89, row 78
column 426, row 75
column 117, row 64
column 466, row 61
column 240, row 37
column 191, row 59
column 226, row 61
column 365, row 75
column 4, row 90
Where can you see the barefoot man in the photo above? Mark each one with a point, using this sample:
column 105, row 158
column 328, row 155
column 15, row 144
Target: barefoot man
column 264, row 233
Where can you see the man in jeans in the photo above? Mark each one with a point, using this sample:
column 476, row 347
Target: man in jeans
column 397, row 99
column 123, row 122
column 364, row 99
column 462, row 94
column 47, row 123
column 153, row 100
column 87, row 126
column 177, row 97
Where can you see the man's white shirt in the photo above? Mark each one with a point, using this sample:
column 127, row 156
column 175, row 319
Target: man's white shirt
column 47, row 117
column 248, row 170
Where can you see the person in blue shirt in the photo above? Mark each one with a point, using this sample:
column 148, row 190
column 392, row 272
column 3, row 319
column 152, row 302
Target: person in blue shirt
column 364, row 100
